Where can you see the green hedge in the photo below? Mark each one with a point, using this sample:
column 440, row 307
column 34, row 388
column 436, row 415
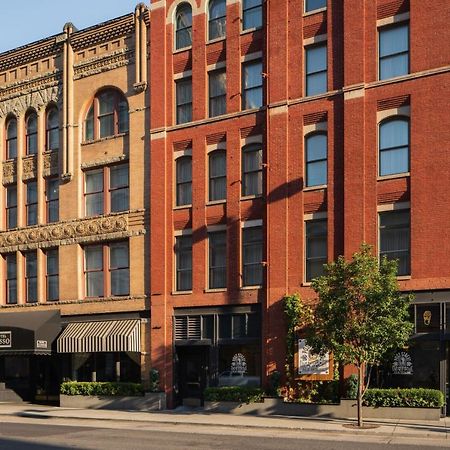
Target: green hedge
column 109, row 389
column 425, row 398
column 234, row 394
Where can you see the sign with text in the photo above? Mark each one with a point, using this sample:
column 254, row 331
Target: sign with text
column 5, row 339
column 310, row 363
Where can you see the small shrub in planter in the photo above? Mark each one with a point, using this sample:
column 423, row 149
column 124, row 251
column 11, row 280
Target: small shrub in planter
column 413, row 398
column 241, row 394
column 98, row 388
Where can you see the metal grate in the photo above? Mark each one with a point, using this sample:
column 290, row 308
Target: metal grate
column 188, row 328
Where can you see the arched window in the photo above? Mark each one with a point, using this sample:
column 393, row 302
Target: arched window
column 217, row 22
column 11, row 138
column 52, row 129
column 183, row 26
column 31, row 133
column 316, row 159
column 107, row 116
column 252, row 170
column 394, row 146
column 217, row 175
column 184, row 180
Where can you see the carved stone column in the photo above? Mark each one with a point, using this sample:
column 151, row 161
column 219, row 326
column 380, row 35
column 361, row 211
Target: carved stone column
column 140, row 50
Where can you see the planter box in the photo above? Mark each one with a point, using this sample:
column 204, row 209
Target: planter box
column 345, row 410
column 149, row 402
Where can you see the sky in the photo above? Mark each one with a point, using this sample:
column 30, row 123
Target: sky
column 26, row 21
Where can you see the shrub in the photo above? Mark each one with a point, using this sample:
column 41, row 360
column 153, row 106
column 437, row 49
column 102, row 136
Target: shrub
column 351, row 387
column 109, row 389
column 424, row 398
column 241, row 394
column 154, row 381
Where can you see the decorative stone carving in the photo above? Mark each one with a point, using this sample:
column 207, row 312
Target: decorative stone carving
column 103, row 162
column 65, row 233
column 29, row 167
column 9, row 171
column 50, row 163
column 103, row 63
column 36, row 99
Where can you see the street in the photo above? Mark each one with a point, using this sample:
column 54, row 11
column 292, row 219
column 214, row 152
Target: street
column 17, row 433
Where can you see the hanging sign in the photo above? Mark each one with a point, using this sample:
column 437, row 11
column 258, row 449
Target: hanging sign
column 5, row 339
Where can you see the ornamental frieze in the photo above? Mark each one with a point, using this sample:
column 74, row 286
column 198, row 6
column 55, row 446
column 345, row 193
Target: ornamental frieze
column 102, row 63
column 36, row 99
column 29, row 167
column 9, row 171
column 66, row 233
column 50, row 164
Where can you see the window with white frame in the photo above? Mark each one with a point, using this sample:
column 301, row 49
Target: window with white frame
column 252, row 176
column 217, row 92
column 393, row 50
column 252, row 14
column 316, row 159
column 183, row 26
column 217, row 175
column 312, row 5
column 315, row 247
column 316, row 69
column 183, row 262
column 252, row 85
column 393, row 146
column 217, row 19
column 183, row 180
column 252, row 256
column 217, row 259
column 395, row 238
column 184, row 100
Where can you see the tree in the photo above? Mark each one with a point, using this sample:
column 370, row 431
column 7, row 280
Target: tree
column 360, row 315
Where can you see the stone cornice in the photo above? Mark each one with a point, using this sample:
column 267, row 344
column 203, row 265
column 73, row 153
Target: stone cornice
column 113, row 226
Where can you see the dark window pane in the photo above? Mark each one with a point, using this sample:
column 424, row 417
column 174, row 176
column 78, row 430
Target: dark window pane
column 208, row 327
column 184, row 180
column 394, row 51
column 89, row 125
column 225, row 326
column 316, row 160
column 252, row 256
column 217, row 93
column 316, row 248
column 394, row 146
column 120, row 282
column 184, row 101
column 217, row 259
column 316, row 69
column 252, row 14
column 183, row 248
column 252, row 170
column 311, row 5
column 217, row 175
column 239, row 326
column 183, row 27
column 217, row 19
column 252, row 85
column 94, row 284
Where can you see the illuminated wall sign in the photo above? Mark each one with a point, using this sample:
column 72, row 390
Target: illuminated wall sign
column 310, row 363
column 5, row 339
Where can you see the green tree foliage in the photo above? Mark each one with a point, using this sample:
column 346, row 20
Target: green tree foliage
column 360, row 315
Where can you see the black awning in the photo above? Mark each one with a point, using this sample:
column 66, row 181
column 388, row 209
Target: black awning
column 29, row 332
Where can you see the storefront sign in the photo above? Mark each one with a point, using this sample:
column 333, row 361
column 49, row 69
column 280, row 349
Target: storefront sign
column 402, row 364
column 5, row 339
column 310, row 363
column 238, row 364
column 41, row 344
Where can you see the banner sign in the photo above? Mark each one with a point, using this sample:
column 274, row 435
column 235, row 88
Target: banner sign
column 310, row 363
column 5, row 339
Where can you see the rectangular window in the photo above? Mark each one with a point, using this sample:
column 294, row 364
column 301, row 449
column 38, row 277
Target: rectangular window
column 252, row 85
column 393, row 49
column 106, row 102
column 184, row 180
column 217, row 259
column 11, row 279
column 252, row 256
column 52, row 199
column 395, row 229
column 118, row 187
column 217, row 93
column 31, row 205
column 312, row 5
column 115, row 280
column 94, row 196
column 183, row 256
column 11, row 207
column 52, row 274
column 114, row 181
column 252, row 179
column 252, row 14
column 316, row 248
column 316, row 69
column 184, row 100
column 217, row 175
column 316, row 159
column 31, row 277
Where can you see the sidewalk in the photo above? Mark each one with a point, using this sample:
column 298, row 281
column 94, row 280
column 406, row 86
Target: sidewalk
column 431, row 429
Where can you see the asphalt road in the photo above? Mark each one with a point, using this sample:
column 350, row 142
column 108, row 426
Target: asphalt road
column 40, row 434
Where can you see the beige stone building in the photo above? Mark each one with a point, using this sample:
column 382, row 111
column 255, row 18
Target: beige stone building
column 73, row 202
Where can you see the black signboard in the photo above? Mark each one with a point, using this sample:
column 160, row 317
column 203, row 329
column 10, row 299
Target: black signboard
column 428, row 318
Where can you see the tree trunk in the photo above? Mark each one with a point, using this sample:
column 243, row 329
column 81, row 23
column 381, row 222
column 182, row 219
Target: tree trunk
column 360, row 393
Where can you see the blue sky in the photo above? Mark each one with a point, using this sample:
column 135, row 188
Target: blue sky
column 25, row 21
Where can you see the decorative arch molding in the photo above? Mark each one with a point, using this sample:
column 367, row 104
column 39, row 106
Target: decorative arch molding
column 33, row 100
column 198, row 6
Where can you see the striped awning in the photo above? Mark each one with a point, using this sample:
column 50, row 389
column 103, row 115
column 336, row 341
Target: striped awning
column 106, row 336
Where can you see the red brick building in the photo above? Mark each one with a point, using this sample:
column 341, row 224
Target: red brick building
column 283, row 134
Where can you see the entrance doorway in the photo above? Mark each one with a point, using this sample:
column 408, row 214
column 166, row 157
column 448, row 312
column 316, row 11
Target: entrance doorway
column 193, row 374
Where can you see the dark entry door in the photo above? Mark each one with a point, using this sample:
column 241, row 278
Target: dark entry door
column 45, row 379
column 193, row 372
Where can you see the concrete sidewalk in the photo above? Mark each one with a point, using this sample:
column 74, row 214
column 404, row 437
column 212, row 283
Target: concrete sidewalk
column 400, row 428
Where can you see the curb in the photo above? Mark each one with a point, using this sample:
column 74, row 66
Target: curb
column 437, row 435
